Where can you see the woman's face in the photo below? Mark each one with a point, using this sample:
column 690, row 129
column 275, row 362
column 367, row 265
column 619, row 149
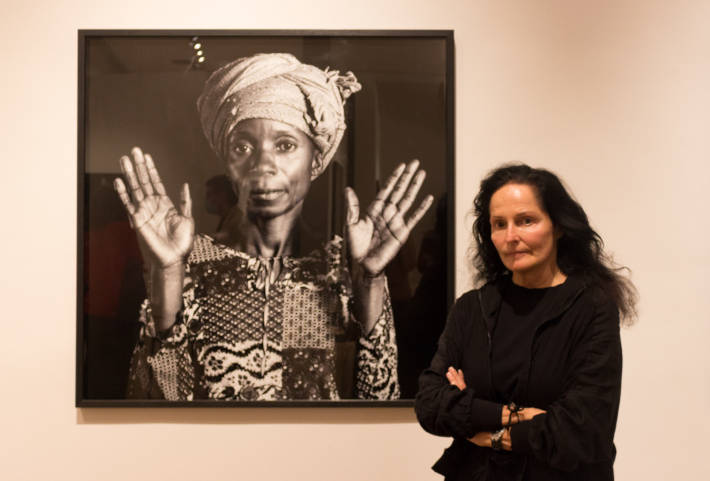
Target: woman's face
column 522, row 232
column 270, row 163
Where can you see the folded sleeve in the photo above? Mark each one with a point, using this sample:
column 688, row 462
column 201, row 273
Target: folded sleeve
column 578, row 428
column 443, row 409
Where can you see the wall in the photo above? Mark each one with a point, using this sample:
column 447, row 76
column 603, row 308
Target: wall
column 613, row 95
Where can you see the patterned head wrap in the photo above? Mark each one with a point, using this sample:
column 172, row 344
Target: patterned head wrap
column 276, row 86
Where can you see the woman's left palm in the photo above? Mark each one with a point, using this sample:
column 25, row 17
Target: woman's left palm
column 374, row 240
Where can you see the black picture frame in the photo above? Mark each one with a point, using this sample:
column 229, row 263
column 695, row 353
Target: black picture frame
column 128, row 81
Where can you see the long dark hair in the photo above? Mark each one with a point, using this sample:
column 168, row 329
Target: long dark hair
column 580, row 250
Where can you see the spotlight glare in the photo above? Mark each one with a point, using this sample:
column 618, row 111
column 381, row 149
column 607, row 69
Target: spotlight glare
column 197, row 46
column 201, row 59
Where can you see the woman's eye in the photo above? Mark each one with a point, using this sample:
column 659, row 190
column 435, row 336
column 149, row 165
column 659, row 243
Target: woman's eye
column 524, row 221
column 242, row 148
column 499, row 224
column 286, row 146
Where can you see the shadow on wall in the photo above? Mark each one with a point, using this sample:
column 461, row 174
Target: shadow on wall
column 246, row 415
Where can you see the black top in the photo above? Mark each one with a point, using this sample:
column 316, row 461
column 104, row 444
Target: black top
column 518, row 318
column 572, row 369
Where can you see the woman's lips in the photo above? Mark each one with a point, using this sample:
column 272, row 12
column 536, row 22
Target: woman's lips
column 266, row 194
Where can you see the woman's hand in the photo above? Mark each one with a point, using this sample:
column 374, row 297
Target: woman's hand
column 455, row 378
column 526, row 414
column 165, row 234
column 374, row 240
column 483, row 439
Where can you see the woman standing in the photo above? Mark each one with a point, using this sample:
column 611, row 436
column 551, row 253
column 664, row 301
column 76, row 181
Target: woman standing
column 247, row 319
column 527, row 376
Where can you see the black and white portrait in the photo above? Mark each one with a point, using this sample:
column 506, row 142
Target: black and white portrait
column 265, row 217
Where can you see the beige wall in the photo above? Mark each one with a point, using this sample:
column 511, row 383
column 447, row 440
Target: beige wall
column 613, row 95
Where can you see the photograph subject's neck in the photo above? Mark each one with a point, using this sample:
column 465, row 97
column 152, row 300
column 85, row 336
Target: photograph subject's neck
column 270, row 237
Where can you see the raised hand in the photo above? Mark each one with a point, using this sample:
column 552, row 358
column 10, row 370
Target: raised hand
column 165, row 234
column 374, row 240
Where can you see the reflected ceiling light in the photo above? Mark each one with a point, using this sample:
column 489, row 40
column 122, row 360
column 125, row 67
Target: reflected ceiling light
column 198, row 54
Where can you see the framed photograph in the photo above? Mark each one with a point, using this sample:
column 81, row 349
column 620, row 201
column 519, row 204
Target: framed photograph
column 265, row 218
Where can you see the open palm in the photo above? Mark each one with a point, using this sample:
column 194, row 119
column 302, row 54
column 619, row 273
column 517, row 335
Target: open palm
column 374, row 240
column 165, row 234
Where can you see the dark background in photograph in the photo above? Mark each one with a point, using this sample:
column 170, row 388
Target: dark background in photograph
column 142, row 90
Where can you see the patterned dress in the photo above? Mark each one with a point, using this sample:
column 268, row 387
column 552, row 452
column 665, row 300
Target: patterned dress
column 256, row 328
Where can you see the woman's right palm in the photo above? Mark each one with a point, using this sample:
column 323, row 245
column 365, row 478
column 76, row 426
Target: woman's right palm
column 165, row 234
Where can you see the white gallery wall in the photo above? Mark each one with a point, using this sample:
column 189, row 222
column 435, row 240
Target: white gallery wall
column 612, row 95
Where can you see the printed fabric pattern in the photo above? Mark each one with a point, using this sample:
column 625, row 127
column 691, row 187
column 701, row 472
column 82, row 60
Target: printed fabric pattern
column 262, row 329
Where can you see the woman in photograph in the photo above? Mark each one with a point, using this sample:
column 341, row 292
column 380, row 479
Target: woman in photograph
column 527, row 375
column 248, row 318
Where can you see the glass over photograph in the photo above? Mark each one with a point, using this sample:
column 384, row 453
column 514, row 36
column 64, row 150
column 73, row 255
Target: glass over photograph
column 264, row 217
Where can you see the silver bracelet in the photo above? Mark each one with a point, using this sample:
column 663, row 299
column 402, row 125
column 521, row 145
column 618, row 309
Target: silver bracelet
column 497, row 440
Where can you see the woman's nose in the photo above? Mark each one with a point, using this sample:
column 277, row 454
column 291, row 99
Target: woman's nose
column 511, row 234
column 263, row 161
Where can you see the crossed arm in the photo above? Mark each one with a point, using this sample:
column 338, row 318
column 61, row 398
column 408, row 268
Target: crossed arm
column 507, row 417
column 577, row 428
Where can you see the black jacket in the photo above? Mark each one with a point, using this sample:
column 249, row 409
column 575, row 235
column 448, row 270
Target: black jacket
column 573, row 372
